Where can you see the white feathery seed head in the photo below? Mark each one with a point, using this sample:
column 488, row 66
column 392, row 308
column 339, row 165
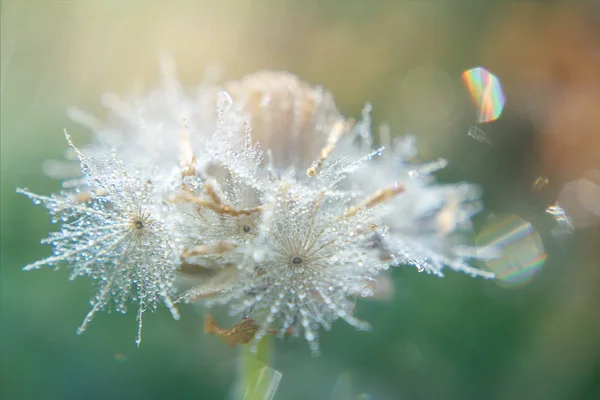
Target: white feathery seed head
column 114, row 232
column 272, row 203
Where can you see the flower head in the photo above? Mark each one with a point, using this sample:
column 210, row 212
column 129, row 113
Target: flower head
column 308, row 263
column 113, row 232
column 282, row 210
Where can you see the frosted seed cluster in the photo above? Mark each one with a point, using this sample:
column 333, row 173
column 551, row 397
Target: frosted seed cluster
column 258, row 191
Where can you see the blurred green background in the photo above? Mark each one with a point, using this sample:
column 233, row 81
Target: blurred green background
column 451, row 338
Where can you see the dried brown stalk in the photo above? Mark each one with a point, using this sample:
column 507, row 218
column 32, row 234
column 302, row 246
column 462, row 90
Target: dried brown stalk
column 87, row 196
column 376, row 198
column 187, row 160
column 218, row 208
column 210, row 191
column 340, row 128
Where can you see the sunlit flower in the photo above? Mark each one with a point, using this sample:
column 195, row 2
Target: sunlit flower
column 274, row 205
column 114, row 233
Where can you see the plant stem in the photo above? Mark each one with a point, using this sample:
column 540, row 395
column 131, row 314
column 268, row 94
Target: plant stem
column 257, row 380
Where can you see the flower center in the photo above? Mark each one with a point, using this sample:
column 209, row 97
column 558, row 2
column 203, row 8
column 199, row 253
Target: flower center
column 138, row 224
column 296, row 260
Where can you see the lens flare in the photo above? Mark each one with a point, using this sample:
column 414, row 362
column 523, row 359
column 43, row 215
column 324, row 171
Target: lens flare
column 564, row 224
column 486, row 91
column 266, row 382
column 521, row 250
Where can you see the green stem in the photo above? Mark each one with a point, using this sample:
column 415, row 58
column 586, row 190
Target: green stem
column 257, row 380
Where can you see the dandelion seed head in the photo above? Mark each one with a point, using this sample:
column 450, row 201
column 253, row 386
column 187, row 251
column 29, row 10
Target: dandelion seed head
column 117, row 237
column 277, row 207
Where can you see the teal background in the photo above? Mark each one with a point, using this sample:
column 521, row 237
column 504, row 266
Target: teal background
column 451, row 338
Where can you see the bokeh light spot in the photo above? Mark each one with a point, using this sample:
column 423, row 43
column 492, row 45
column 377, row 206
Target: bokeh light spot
column 521, row 252
column 486, row 91
column 564, row 224
column 479, row 135
column 539, row 183
column 581, row 200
